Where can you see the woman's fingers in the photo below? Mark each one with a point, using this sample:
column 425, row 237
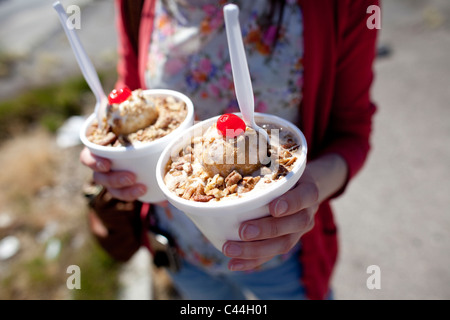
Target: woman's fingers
column 121, row 184
column 270, row 227
column 264, row 238
column 115, row 179
column 246, row 264
column 94, row 162
column 261, row 249
column 128, row 193
column 248, row 255
column 305, row 195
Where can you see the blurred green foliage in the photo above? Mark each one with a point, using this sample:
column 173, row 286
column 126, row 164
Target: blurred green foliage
column 49, row 106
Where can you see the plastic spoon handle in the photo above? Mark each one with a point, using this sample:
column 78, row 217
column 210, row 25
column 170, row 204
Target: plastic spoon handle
column 84, row 62
column 241, row 74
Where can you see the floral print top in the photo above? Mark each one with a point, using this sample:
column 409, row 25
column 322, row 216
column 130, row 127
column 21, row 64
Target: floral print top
column 189, row 53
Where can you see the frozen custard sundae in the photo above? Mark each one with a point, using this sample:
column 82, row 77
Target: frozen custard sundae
column 136, row 127
column 229, row 160
column 135, row 117
column 230, row 145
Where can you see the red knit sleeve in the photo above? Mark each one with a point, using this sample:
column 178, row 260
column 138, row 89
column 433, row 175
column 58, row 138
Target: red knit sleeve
column 127, row 66
column 352, row 111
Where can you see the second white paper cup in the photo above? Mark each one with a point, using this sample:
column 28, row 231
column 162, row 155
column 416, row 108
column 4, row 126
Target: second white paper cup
column 220, row 221
column 141, row 159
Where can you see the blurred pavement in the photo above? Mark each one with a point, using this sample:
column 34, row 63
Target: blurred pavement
column 396, row 213
column 38, row 46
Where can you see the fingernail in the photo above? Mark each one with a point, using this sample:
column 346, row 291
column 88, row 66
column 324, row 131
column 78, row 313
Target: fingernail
column 139, row 191
column 236, row 266
column 250, row 231
column 101, row 166
column 281, row 207
column 125, row 181
column 233, row 250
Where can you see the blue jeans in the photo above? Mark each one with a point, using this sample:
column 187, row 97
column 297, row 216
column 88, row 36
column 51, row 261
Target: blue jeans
column 278, row 283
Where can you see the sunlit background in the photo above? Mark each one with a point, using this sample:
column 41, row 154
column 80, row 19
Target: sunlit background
column 395, row 214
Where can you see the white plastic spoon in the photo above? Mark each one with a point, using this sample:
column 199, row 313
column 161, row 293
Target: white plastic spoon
column 85, row 64
column 239, row 66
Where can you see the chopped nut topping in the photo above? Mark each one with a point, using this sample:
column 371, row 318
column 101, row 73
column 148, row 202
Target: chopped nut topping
column 217, row 193
column 165, row 122
column 291, row 146
column 249, row 183
column 202, row 198
column 187, row 167
column 200, row 190
column 233, row 178
column 188, row 193
column 214, row 183
column 281, row 172
column 177, row 173
column 189, row 158
column 232, row 189
column 288, row 161
column 107, row 139
column 286, row 154
column 178, row 166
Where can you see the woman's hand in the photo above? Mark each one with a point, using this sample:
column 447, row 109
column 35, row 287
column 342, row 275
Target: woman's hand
column 121, row 184
column 291, row 216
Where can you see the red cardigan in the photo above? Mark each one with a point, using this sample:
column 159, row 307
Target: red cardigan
column 336, row 110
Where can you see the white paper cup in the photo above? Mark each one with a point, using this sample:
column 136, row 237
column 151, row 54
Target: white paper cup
column 142, row 158
column 220, row 221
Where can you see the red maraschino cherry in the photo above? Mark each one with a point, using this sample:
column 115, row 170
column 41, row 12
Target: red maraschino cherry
column 119, row 95
column 230, row 125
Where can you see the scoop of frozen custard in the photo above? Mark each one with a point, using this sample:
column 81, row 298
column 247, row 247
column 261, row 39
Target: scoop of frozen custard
column 221, row 154
column 134, row 113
